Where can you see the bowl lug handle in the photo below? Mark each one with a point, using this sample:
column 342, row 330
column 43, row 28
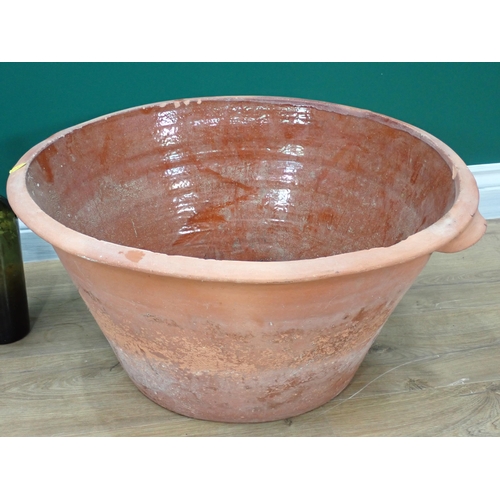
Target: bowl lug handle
column 468, row 237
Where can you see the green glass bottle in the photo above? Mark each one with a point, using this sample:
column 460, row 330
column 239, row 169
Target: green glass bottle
column 14, row 313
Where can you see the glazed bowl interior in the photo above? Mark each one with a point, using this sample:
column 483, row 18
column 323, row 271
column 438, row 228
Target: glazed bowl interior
column 242, row 179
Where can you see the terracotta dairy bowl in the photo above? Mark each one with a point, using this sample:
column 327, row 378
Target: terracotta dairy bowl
column 241, row 254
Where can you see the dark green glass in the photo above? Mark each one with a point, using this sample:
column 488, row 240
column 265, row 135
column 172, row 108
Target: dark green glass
column 14, row 313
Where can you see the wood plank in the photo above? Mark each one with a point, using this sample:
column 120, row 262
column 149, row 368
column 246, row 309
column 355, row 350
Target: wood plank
column 433, row 371
column 472, row 410
column 61, row 322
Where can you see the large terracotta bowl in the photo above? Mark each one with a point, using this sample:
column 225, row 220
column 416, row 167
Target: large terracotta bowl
column 241, row 254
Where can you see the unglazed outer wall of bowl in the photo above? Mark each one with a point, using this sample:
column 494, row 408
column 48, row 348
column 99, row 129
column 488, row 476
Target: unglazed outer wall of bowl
column 236, row 352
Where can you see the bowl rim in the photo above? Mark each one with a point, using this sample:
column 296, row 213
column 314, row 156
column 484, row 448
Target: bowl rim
column 66, row 240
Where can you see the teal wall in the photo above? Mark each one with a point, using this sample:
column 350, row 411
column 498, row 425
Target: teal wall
column 459, row 103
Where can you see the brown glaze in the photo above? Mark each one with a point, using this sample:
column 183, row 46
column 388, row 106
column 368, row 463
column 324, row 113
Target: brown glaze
column 241, row 254
column 242, row 181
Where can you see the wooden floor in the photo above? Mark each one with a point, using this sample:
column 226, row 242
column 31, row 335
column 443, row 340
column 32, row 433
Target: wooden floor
column 433, row 371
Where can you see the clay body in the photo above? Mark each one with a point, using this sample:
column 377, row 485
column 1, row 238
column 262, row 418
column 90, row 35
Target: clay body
column 241, row 254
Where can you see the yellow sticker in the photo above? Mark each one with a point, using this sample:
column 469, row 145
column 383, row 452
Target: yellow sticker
column 17, row 167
